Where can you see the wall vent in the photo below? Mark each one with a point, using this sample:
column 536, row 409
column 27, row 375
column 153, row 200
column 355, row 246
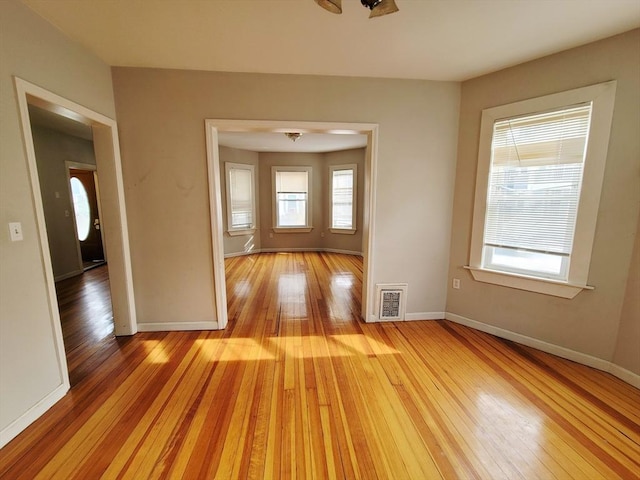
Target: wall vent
column 391, row 301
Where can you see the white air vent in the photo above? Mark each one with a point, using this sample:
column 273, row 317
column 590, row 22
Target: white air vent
column 391, row 300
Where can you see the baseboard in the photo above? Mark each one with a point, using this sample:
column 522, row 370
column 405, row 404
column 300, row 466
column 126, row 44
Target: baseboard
column 31, row 415
column 75, row 273
column 625, row 375
column 582, row 358
column 344, row 252
column 290, row 250
column 176, row 326
column 410, row 317
column 240, row 254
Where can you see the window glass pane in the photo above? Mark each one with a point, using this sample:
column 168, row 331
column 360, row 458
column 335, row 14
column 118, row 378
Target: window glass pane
column 292, row 209
column 81, row 208
column 534, row 189
column 521, row 261
column 342, row 199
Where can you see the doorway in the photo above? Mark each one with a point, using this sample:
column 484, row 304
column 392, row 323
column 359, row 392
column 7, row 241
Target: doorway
column 83, row 182
column 113, row 218
column 214, row 126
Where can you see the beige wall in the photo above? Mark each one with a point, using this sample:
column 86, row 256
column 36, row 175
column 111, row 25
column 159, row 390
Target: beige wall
column 627, row 353
column 589, row 323
column 161, row 117
column 340, row 241
column 312, row 239
column 239, row 243
column 53, row 149
column 35, row 51
column 320, row 237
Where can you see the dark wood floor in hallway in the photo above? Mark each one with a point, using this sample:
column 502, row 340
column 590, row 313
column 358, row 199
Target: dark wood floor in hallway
column 298, row 387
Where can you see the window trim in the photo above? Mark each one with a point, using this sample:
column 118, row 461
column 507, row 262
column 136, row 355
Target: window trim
column 274, row 203
column 354, row 196
column 228, row 166
column 602, row 97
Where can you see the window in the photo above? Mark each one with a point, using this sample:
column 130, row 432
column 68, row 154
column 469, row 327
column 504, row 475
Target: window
column 81, row 208
column 541, row 164
column 241, row 208
column 343, row 198
column 291, row 199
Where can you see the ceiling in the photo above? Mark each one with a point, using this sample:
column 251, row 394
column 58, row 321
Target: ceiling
column 450, row 40
column 427, row 39
column 278, row 142
column 45, row 118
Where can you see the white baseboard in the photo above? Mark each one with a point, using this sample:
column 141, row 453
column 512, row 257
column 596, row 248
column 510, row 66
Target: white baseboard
column 240, row 254
column 563, row 352
column 344, row 252
column 625, row 375
column 177, row 326
column 13, row 429
column 75, row 273
column 410, row 317
column 288, row 250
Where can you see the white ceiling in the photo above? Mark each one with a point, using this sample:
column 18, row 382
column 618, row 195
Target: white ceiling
column 48, row 119
column 279, row 142
column 427, row 39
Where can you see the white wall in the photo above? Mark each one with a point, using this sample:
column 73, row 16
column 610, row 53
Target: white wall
column 35, row 51
column 161, row 116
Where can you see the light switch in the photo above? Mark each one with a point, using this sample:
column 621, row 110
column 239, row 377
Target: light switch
column 15, row 230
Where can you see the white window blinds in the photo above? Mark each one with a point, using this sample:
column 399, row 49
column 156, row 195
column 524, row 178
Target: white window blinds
column 241, row 197
column 342, row 198
column 535, row 179
column 291, row 182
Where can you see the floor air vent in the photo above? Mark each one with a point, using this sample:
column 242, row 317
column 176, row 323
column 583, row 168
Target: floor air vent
column 391, row 300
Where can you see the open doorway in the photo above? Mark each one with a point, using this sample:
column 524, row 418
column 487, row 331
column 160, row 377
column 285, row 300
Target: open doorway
column 215, row 127
column 83, row 182
column 103, row 131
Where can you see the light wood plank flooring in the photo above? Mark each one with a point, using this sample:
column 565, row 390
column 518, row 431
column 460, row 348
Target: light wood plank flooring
column 298, row 387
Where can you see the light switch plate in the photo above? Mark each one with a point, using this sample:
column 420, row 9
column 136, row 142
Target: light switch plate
column 15, row 231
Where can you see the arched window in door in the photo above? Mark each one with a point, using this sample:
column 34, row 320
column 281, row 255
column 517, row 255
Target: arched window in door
column 81, row 208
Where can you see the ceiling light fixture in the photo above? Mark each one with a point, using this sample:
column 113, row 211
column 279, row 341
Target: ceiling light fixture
column 378, row 7
column 293, row 136
column 333, row 6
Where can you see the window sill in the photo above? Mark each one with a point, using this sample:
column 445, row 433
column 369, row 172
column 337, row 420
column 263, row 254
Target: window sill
column 531, row 284
column 292, row 229
column 245, row 231
column 344, row 231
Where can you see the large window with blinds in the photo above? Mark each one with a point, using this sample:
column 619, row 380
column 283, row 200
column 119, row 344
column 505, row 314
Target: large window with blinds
column 291, row 198
column 534, row 188
column 342, row 187
column 241, row 207
column 540, row 171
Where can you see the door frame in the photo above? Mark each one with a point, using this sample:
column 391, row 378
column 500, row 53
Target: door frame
column 213, row 126
column 114, row 221
column 87, row 167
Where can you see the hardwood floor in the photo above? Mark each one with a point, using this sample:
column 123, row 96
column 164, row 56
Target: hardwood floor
column 298, row 387
column 87, row 321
